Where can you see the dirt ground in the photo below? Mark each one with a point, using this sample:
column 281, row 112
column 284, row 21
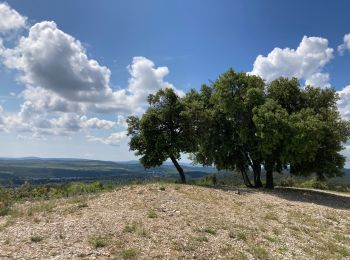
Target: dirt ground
column 172, row 221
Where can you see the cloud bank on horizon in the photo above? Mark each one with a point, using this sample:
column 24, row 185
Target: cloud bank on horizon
column 66, row 92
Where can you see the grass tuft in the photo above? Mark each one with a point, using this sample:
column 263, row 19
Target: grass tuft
column 36, row 238
column 130, row 253
column 152, row 214
column 209, row 230
column 98, row 242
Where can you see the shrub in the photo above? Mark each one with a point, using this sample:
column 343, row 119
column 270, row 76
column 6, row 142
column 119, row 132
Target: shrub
column 209, row 230
column 36, row 238
column 129, row 228
column 130, row 253
column 4, row 211
column 98, row 242
column 260, row 252
column 209, row 180
column 152, row 214
column 288, row 182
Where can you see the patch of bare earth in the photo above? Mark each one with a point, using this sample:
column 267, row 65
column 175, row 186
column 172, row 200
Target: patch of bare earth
column 157, row 221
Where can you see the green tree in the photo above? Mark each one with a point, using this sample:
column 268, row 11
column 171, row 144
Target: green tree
column 162, row 132
column 273, row 130
column 332, row 132
column 302, row 129
column 225, row 129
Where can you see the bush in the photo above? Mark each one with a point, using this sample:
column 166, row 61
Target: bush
column 129, row 253
column 288, row 182
column 98, row 242
column 36, row 239
column 152, row 214
column 315, row 184
column 209, row 180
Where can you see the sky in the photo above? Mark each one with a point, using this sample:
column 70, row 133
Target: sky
column 72, row 71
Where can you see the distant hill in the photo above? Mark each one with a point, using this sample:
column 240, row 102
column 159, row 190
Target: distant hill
column 347, row 171
column 16, row 171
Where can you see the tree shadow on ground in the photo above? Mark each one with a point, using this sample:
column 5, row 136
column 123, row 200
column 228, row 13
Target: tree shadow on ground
column 332, row 200
column 324, row 198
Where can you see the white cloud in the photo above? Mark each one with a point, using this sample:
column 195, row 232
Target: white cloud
column 56, row 69
column 306, row 62
column 10, row 19
column 346, row 45
column 344, row 102
column 69, row 122
column 3, row 120
column 114, row 139
column 121, row 121
column 318, row 79
column 146, row 79
column 59, row 123
column 40, row 100
column 53, row 60
column 63, row 85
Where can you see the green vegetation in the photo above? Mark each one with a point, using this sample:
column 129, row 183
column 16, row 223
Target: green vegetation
column 36, row 238
column 163, row 132
column 260, row 252
column 129, row 228
column 26, row 192
column 16, row 172
column 209, row 230
column 240, row 123
column 97, row 242
column 341, row 185
column 130, row 253
column 136, row 227
column 49, row 191
column 202, row 239
column 152, row 214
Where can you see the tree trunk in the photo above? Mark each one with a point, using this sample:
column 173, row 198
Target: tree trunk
column 269, row 179
column 245, row 178
column 179, row 169
column 257, row 175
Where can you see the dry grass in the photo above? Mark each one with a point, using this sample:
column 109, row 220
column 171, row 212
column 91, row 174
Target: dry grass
column 171, row 221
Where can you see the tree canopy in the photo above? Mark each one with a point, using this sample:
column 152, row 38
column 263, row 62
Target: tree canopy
column 239, row 122
column 163, row 131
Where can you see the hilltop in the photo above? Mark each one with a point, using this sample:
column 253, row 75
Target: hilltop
column 172, row 221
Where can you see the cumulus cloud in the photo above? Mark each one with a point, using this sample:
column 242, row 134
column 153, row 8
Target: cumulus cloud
column 73, row 123
column 344, row 102
column 114, row 139
column 10, row 19
column 59, row 123
column 63, row 85
column 55, row 66
column 53, row 60
column 346, row 45
column 306, row 62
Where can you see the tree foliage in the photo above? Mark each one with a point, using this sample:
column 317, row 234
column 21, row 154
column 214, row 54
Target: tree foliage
column 163, row 132
column 241, row 123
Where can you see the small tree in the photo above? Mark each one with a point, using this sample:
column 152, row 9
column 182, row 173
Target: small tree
column 163, row 131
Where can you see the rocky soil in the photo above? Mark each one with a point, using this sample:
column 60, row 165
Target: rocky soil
column 169, row 221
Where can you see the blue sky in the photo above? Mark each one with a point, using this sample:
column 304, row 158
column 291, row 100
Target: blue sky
column 127, row 49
